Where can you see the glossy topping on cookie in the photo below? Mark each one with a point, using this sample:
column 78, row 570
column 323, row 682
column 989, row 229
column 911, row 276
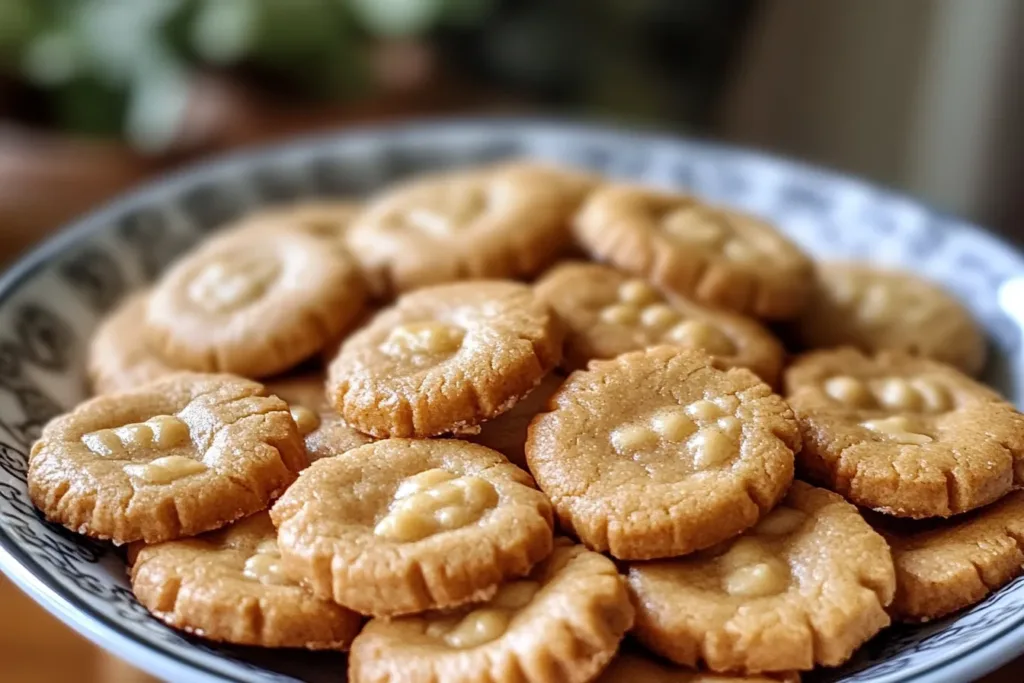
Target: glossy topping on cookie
column 873, row 309
column 716, row 256
column 904, row 435
column 804, row 587
column 658, row 453
column 403, row 525
column 500, row 221
column 443, row 359
column 253, row 301
column 119, row 357
column 185, row 454
column 609, row 313
column 561, row 624
column 229, row 586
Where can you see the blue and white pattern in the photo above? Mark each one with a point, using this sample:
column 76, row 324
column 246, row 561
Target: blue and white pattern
column 51, row 301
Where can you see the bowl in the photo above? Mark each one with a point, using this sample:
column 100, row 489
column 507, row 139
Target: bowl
column 51, row 300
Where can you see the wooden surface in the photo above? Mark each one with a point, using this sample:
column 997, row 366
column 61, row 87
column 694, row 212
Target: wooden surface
column 36, row 648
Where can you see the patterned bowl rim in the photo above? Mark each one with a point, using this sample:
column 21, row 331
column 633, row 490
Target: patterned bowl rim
column 62, row 603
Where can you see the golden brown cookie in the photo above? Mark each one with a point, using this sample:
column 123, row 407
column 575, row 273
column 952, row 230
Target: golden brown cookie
column 253, row 302
column 402, row 526
column 658, row 453
column 903, row 435
column 561, row 624
column 507, row 432
column 185, row 454
column 946, row 565
column 228, row 586
column 119, row 357
column 805, row 587
column 509, row 220
column 855, row 304
column 714, row 255
column 608, row 313
column 632, row 665
column 443, row 359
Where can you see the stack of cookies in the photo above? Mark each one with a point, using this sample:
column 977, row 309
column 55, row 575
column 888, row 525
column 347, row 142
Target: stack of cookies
column 414, row 430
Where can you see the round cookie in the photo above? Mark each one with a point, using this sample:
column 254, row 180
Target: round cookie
column 943, row 566
column 806, row 586
column 253, row 302
column 325, row 432
column 119, row 357
column 228, row 586
column 714, row 255
column 507, row 432
column 182, row 455
column 855, row 304
column 561, row 624
column 657, row 453
column 904, row 435
column 402, row 526
column 608, row 313
column 632, row 665
column 509, row 220
column 443, row 359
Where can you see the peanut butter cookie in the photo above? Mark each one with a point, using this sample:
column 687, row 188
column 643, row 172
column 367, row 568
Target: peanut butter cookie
column 119, row 357
column 507, row 432
column 608, row 313
column 632, row 665
column 904, row 435
column 714, row 255
column 855, row 304
column 806, row 586
column 561, row 624
column 658, row 453
column 443, row 359
column 228, row 586
column 946, row 565
column 253, row 302
column 510, row 220
column 402, row 526
column 185, row 454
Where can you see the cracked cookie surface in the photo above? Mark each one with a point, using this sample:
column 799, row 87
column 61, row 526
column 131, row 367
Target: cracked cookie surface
column 401, row 526
column 804, row 587
column 657, row 453
column 443, row 359
column 182, row 455
column 228, row 586
column 904, row 435
column 560, row 624
column 714, row 255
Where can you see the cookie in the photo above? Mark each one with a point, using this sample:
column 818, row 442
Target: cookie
column 253, row 302
column 301, row 388
column 806, row 586
column 873, row 309
column 228, row 586
column 608, row 313
column 505, row 221
column 443, row 359
column 561, row 624
column 943, row 566
column 903, row 435
column 713, row 255
column 402, row 526
column 320, row 218
column 632, row 665
column 119, row 357
column 185, row 454
column 507, row 432
column 657, row 453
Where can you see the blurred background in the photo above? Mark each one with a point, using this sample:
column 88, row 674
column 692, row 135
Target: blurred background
column 98, row 95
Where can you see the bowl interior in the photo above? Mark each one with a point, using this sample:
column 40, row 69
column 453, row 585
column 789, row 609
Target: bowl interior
column 51, row 301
